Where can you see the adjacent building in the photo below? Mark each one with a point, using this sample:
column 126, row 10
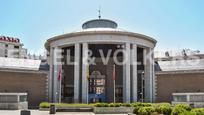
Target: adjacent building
column 12, row 47
column 22, row 73
column 25, row 76
column 179, row 72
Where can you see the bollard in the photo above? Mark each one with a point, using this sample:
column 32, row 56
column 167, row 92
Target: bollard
column 52, row 109
column 25, row 112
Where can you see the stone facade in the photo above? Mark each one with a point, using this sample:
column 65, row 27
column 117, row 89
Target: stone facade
column 25, row 81
column 96, row 35
column 178, row 82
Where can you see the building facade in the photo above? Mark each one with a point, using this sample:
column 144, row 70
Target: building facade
column 101, row 63
column 25, row 76
column 11, row 47
column 180, row 71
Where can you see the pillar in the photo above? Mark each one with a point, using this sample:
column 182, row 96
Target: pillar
column 54, row 77
column 153, row 79
column 84, row 72
column 126, row 74
column 50, row 78
column 148, row 75
column 76, row 72
column 134, row 72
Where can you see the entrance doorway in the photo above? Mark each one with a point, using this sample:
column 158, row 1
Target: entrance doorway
column 96, row 87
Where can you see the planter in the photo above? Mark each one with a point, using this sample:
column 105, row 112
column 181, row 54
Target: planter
column 44, row 109
column 74, row 109
column 70, row 109
column 113, row 110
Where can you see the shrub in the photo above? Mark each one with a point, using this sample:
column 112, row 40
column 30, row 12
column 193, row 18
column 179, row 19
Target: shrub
column 126, row 105
column 112, row 105
column 105, row 105
column 138, row 106
column 98, row 105
column 142, row 104
column 136, row 109
column 179, row 111
column 47, row 105
column 44, row 105
column 115, row 104
column 101, row 105
column 184, row 106
column 197, row 111
column 163, row 108
column 146, row 110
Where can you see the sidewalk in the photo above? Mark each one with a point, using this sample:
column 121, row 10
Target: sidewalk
column 36, row 112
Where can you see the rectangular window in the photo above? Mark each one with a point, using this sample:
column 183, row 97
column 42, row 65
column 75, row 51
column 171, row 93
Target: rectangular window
column 180, row 98
column 16, row 47
column 23, row 98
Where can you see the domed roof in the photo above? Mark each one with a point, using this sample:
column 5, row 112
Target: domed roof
column 100, row 23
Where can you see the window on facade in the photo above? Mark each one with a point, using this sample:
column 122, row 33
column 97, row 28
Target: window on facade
column 17, row 47
column 197, row 98
column 180, row 98
column 6, row 51
column 23, row 98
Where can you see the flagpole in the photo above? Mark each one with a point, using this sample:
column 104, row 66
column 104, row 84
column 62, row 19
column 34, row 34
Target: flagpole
column 114, row 89
column 87, row 91
column 60, row 90
column 60, row 85
column 87, row 84
column 114, row 83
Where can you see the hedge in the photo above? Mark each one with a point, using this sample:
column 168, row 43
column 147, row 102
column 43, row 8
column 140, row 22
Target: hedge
column 47, row 105
column 140, row 108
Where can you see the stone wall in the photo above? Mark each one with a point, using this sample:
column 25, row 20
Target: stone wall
column 177, row 82
column 20, row 81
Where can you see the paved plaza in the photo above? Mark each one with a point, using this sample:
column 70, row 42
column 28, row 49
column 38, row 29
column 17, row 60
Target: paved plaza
column 36, row 112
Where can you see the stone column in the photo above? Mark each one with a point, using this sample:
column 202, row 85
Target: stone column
column 134, row 72
column 57, row 67
column 148, row 75
column 50, row 77
column 126, row 74
column 84, row 72
column 76, row 72
column 55, row 75
column 153, row 79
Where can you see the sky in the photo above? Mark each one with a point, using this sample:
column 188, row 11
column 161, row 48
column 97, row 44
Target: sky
column 175, row 24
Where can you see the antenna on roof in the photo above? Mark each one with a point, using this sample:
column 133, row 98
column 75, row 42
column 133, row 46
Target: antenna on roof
column 99, row 12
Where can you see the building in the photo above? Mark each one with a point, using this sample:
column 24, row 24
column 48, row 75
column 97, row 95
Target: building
column 179, row 72
column 24, row 76
column 11, row 47
column 93, row 78
column 22, row 73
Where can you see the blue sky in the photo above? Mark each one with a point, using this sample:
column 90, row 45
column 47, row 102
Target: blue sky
column 175, row 24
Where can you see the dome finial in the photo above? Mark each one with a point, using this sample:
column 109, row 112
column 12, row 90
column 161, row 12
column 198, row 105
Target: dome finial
column 99, row 12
